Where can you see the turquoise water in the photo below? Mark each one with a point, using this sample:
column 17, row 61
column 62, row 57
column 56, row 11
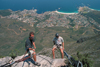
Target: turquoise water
column 68, row 12
column 68, row 6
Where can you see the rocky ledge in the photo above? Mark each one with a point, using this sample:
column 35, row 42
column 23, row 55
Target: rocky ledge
column 43, row 60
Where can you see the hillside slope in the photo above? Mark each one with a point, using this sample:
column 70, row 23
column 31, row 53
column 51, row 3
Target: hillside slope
column 90, row 46
column 84, row 38
column 13, row 34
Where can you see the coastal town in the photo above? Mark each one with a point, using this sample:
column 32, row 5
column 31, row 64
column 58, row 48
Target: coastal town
column 53, row 18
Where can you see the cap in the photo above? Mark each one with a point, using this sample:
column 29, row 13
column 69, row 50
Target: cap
column 56, row 35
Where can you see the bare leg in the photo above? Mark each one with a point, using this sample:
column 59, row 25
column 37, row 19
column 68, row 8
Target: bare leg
column 62, row 54
column 53, row 52
column 34, row 56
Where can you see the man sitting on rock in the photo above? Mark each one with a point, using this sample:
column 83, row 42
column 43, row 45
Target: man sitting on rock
column 58, row 43
column 29, row 44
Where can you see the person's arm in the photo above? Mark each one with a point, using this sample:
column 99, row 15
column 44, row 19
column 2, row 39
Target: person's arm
column 54, row 42
column 34, row 45
column 31, row 49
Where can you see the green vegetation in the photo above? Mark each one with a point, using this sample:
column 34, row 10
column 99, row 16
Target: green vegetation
column 5, row 12
column 93, row 14
column 1, row 56
column 13, row 54
column 84, row 58
column 89, row 50
column 13, row 34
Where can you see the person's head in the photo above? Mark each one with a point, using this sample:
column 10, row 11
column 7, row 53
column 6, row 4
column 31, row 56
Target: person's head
column 56, row 35
column 31, row 35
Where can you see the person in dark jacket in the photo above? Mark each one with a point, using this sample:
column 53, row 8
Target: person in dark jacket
column 30, row 42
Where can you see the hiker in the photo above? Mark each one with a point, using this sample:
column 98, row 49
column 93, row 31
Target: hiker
column 58, row 43
column 30, row 42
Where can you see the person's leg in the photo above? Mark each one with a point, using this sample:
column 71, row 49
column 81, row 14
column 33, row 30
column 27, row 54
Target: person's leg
column 53, row 51
column 62, row 54
column 23, row 59
column 34, row 56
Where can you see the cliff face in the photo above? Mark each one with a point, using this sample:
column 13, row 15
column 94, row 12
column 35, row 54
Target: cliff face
column 43, row 60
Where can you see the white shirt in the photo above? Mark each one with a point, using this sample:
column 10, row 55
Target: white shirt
column 58, row 40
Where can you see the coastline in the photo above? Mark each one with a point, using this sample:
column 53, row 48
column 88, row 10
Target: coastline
column 95, row 9
column 65, row 13
column 60, row 12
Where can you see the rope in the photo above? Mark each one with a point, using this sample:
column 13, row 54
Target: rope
column 73, row 62
column 79, row 64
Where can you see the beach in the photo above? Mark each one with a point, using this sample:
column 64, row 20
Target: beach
column 65, row 13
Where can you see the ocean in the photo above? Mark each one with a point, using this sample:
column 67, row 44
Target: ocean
column 68, row 6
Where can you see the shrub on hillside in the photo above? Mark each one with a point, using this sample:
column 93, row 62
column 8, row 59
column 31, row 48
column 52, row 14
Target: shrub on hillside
column 13, row 54
column 85, row 59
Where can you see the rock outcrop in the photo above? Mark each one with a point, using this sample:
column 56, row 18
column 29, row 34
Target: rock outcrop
column 43, row 60
column 4, row 60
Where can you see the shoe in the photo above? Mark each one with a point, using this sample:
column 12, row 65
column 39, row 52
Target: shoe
column 36, row 63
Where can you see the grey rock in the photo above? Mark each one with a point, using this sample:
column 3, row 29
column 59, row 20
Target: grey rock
column 43, row 60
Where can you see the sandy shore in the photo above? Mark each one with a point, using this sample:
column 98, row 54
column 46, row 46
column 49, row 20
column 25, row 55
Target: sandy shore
column 65, row 13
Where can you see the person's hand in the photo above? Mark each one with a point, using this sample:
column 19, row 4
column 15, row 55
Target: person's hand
column 33, row 49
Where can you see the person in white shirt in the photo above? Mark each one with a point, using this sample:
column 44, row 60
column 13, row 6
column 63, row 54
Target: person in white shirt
column 58, row 43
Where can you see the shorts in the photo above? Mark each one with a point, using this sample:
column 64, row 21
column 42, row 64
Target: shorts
column 57, row 46
column 30, row 52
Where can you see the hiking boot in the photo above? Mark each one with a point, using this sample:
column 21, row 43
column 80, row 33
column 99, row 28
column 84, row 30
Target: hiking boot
column 36, row 63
